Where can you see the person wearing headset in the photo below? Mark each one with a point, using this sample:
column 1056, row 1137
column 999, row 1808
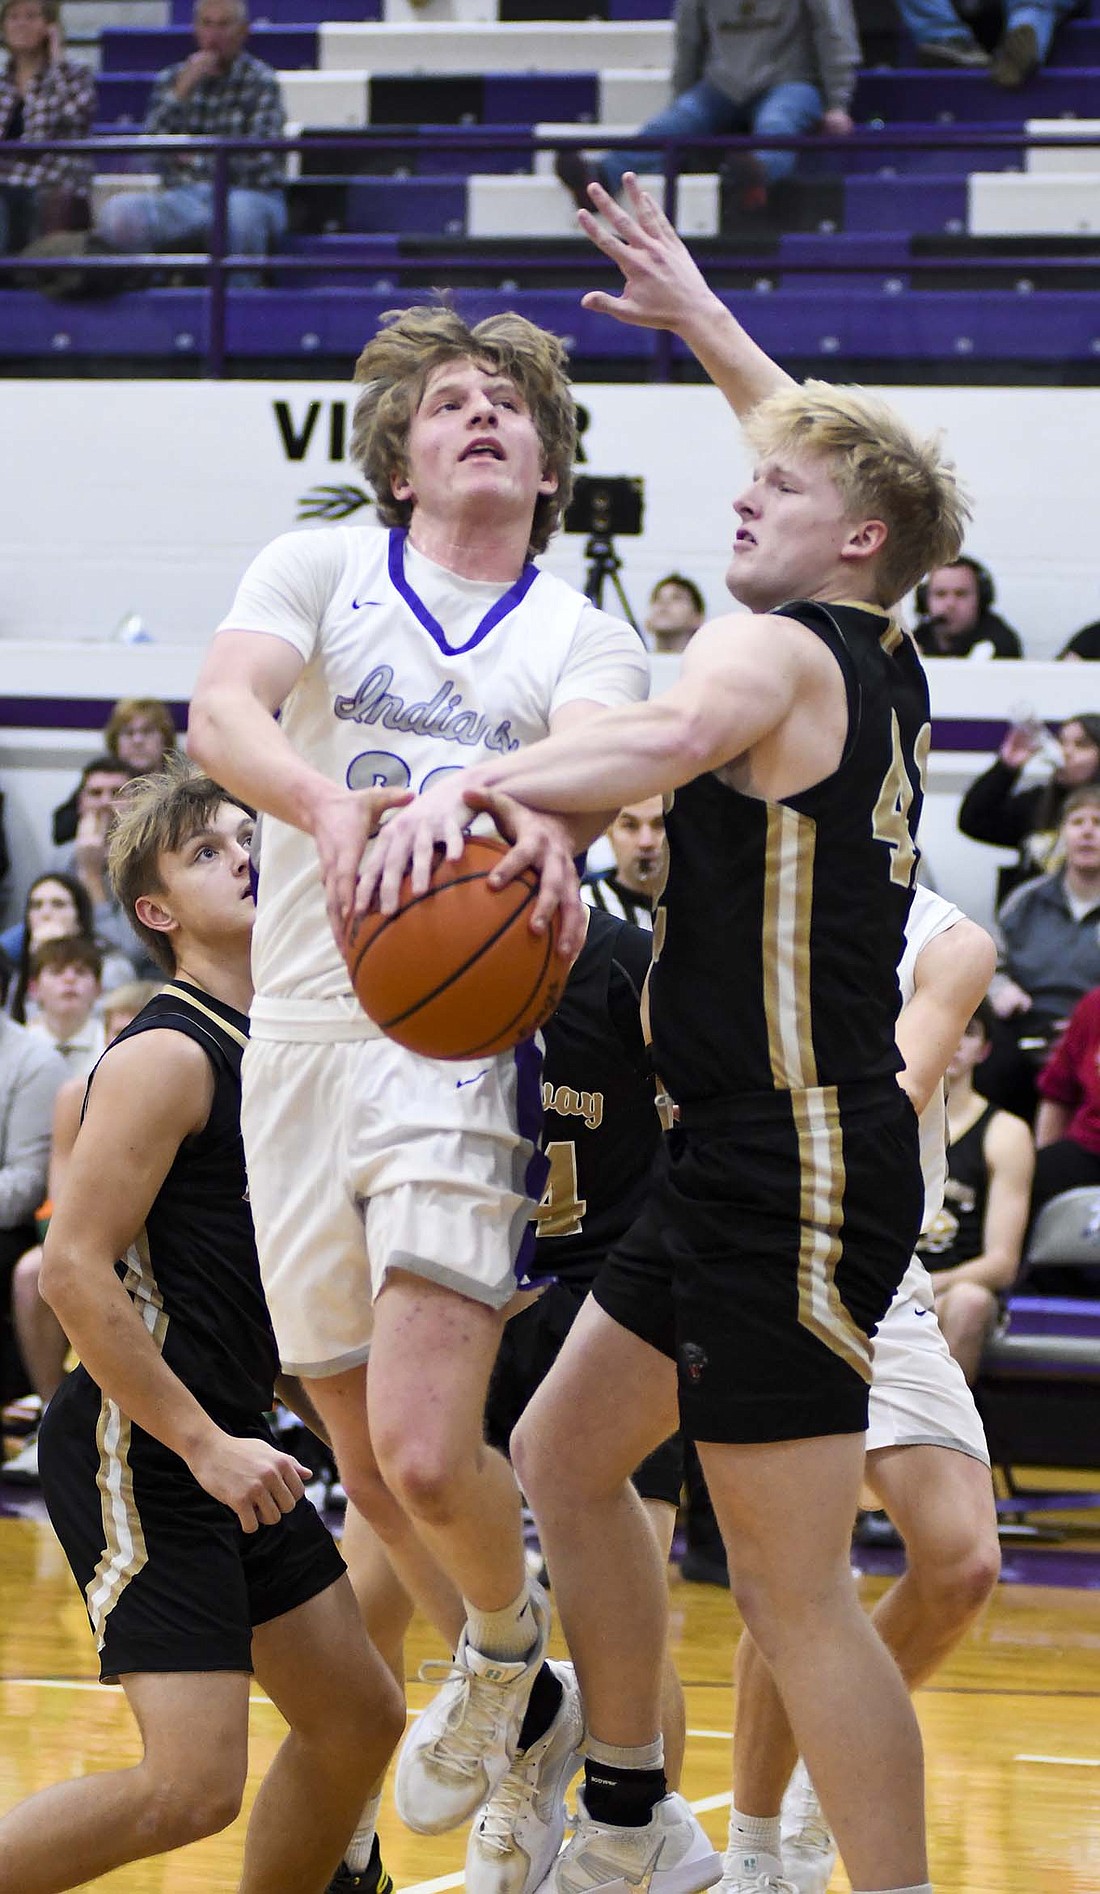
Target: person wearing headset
column 956, row 617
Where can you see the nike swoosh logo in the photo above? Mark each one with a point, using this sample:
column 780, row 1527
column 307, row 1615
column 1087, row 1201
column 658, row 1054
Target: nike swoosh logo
column 917, row 1310
column 357, row 604
column 459, row 1083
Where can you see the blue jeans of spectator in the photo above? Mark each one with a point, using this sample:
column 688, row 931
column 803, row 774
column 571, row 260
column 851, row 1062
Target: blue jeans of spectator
column 706, row 111
column 937, row 19
column 181, row 217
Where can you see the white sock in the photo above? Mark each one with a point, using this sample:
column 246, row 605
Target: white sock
column 755, row 1834
column 358, row 1851
column 506, row 1635
column 616, row 1756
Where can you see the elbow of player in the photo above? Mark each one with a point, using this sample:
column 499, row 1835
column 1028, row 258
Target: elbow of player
column 202, row 731
column 58, row 1277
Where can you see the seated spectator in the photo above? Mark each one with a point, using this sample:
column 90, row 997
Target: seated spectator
column 956, row 616
column 1084, row 646
column 42, row 95
column 56, row 905
column 65, row 986
column 637, row 838
column 31, row 1073
column 944, row 39
column 1050, row 930
column 789, row 68
column 42, row 1342
column 997, row 810
column 972, row 1248
column 220, row 91
column 1067, row 1130
column 103, row 780
column 140, row 733
column 676, row 611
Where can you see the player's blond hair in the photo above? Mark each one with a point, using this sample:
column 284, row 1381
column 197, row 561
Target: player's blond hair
column 882, row 470
column 396, row 364
column 157, row 815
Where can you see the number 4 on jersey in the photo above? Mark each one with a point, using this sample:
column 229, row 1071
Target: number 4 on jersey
column 561, row 1211
column 890, row 816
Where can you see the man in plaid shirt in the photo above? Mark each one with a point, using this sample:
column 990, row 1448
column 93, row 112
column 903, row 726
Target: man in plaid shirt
column 223, row 91
column 42, row 95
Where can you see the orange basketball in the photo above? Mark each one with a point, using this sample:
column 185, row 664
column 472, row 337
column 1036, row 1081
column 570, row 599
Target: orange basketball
column 456, row 973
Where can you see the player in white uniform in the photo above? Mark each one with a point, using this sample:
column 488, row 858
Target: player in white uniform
column 392, row 1194
column 927, row 1460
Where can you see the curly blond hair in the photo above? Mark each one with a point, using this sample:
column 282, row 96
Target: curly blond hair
column 396, row 365
column 882, row 470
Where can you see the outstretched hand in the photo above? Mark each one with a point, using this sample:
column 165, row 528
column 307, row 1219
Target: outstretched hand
column 663, row 285
column 541, row 842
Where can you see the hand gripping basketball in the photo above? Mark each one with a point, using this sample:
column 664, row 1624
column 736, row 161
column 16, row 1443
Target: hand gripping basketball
column 456, row 973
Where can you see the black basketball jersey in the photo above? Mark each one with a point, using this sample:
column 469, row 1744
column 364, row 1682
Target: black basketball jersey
column 783, row 922
column 192, row 1272
column 601, row 1129
column 957, row 1234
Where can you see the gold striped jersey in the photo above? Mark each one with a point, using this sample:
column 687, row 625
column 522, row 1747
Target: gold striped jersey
column 783, row 922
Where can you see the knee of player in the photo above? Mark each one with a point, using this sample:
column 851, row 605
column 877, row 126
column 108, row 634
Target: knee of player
column 956, row 1579
column 971, row 1306
column 181, row 1808
column 425, row 1476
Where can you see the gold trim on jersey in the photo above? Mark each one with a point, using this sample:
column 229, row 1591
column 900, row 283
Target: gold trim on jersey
column 821, row 1212
column 892, row 638
column 124, row 1552
column 788, row 906
column 189, row 999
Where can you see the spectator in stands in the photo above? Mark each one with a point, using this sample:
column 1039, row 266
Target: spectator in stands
column 65, row 986
column 637, row 838
column 42, row 95
column 957, row 619
column 41, row 1340
column 31, row 1073
column 102, row 782
column 676, row 611
column 996, row 810
column 973, row 1247
column 56, row 905
column 139, row 732
column 1084, row 646
column 784, row 69
column 224, row 92
column 944, row 39
column 1067, row 1129
column 1050, row 958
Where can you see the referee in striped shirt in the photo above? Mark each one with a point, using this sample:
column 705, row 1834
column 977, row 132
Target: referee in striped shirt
column 631, row 887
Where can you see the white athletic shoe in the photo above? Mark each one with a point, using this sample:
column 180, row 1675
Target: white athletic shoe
column 516, row 1837
column 670, row 1855
column 462, row 1745
column 22, row 1468
column 747, row 1871
column 809, row 1851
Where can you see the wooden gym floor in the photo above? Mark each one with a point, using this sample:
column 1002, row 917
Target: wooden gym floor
column 1011, row 1727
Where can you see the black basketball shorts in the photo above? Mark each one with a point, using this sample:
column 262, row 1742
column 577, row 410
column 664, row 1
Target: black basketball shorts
column 766, row 1255
column 170, row 1579
column 530, row 1345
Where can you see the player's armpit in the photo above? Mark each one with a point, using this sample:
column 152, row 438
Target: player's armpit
column 951, row 976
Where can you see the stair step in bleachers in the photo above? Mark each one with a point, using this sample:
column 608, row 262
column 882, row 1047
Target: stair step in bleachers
column 473, row 47
column 132, row 49
column 1025, row 205
column 430, row 205
column 326, row 100
column 927, row 204
column 1047, row 158
column 541, row 207
column 963, row 98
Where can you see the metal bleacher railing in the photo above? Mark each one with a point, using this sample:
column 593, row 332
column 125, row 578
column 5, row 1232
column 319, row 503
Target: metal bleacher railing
column 525, row 257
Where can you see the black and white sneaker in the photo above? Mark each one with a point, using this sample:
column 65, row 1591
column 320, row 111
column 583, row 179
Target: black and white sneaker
column 373, row 1879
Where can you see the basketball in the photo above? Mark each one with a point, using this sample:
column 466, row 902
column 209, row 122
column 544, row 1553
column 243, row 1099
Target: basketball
column 456, row 972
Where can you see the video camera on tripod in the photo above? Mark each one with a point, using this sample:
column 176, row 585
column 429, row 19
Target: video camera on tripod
column 603, row 505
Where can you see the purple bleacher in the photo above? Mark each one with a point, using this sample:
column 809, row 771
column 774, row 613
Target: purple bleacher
column 1055, row 1315
column 1078, row 44
column 527, row 98
column 928, row 204
column 937, row 161
column 458, row 163
column 638, row 9
column 121, row 97
column 428, row 206
column 292, row 12
column 133, row 49
column 964, row 98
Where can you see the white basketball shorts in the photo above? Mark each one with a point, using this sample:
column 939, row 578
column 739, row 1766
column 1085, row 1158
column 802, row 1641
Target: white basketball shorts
column 919, row 1395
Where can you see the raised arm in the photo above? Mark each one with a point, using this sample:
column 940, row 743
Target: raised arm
column 149, row 1094
column 951, row 976
column 663, row 288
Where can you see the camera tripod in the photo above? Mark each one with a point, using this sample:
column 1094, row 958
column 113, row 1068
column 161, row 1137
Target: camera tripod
column 602, row 562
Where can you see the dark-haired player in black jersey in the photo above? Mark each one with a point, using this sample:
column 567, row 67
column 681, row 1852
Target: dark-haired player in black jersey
column 775, row 1237
column 199, row 1560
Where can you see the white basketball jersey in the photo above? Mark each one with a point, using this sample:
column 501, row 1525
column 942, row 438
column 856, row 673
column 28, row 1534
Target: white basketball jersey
column 929, row 916
column 410, row 671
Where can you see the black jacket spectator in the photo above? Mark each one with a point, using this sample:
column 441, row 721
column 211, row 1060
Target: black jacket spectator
column 996, row 810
